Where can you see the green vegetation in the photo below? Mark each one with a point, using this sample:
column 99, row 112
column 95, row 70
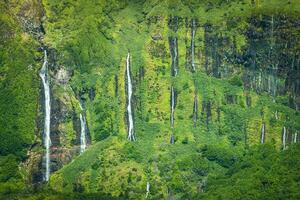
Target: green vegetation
column 219, row 157
column 19, row 87
column 18, row 99
column 269, row 175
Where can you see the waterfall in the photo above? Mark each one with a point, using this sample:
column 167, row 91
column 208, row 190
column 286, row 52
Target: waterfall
column 263, row 131
column 173, row 46
column 147, row 189
column 82, row 130
column 295, row 137
column 276, row 115
column 172, row 106
column 173, row 96
column 193, row 44
column 175, row 57
column 131, row 136
column 47, row 141
column 174, row 54
column 284, row 138
column 195, row 110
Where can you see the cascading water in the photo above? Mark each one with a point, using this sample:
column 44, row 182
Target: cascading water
column 47, row 141
column 296, row 137
column 263, row 131
column 284, row 138
column 193, row 44
column 172, row 106
column 195, row 110
column 131, row 136
column 174, row 54
column 147, row 189
column 175, row 57
column 83, row 130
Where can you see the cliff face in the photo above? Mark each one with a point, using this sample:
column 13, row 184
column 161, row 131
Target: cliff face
column 263, row 52
column 205, row 89
column 19, row 88
column 65, row 122
column 212, row 85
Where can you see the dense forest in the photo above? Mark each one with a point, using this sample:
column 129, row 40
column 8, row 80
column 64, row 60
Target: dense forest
column 149, row 99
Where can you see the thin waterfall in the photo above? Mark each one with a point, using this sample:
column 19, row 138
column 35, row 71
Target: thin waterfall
column 147, row 189
column 296, row 137
column 175, row 57
column 47, row 140
column 259, row 81
column 82, row 130
column 193, row 44
column 172, row 106
column 284, row 138
column 174, row 54
column 276, row 115
column 195, row 110
column 131, row 136
column 263, row 132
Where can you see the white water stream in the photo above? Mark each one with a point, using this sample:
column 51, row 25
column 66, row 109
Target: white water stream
column 131, row 136
column 47, row 141
column 82, row 130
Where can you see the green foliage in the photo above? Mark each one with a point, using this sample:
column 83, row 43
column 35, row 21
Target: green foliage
column 105, row 118
column 218, row 155
column 19, row 87
column 261, row 173
column 19, row 62
column 223, row 156
column 9, row 168
column 86, row 42
column 236, row 80
column 10, row 178
column 203, row 155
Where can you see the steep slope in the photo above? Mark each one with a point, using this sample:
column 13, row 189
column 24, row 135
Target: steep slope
column 19, row 85
column 177, row 60
column 213, row 113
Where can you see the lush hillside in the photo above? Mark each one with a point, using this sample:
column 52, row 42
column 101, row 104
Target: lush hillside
column 215, row 99
column 19, row 95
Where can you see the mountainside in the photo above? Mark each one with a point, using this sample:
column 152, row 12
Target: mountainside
column 167, row 99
